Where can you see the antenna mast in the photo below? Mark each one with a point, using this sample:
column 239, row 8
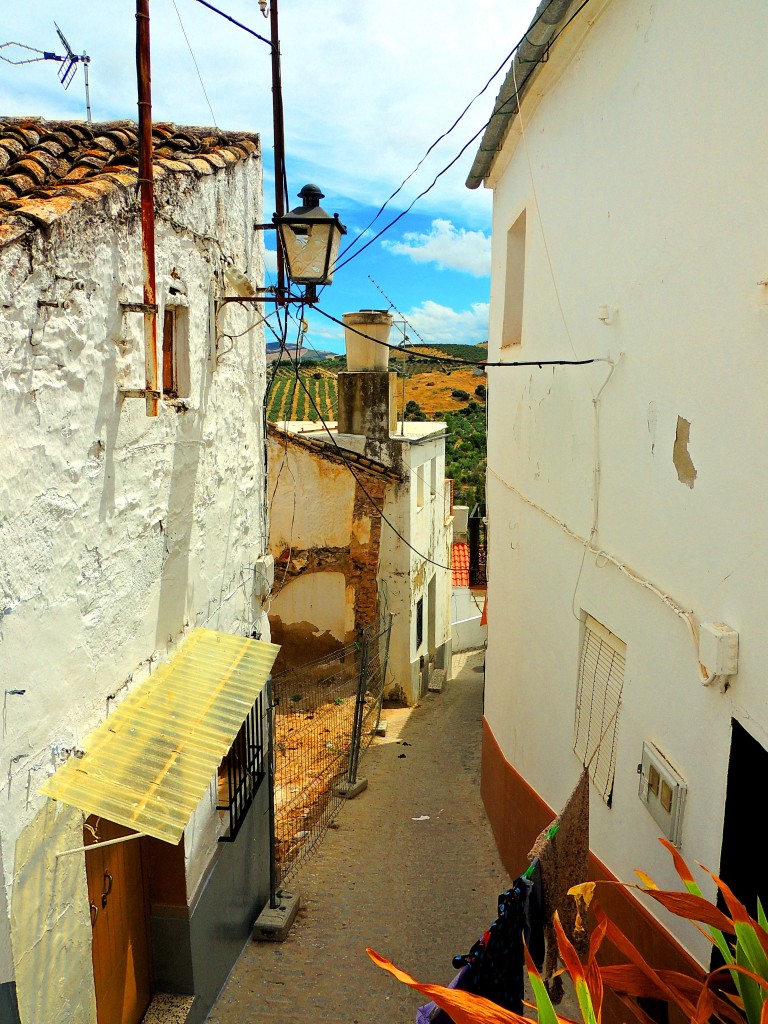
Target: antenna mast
column 69, row 67
column 68, row 63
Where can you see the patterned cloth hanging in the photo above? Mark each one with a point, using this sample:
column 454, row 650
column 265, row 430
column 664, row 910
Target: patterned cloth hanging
column 563, row 860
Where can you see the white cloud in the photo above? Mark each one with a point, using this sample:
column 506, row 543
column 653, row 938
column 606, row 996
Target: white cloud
column 270, row 261
column 436, row 323
column 449, row 247
column 415, row 65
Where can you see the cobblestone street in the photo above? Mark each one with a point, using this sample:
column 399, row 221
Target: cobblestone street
column 411, row 870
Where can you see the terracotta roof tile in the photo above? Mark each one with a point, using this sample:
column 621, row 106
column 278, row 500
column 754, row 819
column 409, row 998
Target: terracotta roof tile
column 32, row 168
column 199, row 164
column 43, row 211
column 174, row 165
column 460, row 564
column 215, row 160
column 54, row 164
column 12, row 228
column 19, row 183
column 12, row 145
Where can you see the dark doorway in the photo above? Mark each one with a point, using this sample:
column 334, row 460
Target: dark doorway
column 742, row 858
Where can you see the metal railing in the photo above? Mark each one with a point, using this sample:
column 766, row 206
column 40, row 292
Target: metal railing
column 324, row 716
column 477, row 536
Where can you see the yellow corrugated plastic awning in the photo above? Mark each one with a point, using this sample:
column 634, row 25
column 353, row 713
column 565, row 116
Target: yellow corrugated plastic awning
column 148, row 765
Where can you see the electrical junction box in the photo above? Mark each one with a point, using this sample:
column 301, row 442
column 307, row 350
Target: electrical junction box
column 663, row 792
column 263, row 576
column 719, row 648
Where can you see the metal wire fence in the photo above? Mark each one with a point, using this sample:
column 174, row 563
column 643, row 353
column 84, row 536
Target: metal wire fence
column 325, row 714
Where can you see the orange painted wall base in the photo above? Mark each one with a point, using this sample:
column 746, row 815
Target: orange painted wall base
column 517, row 815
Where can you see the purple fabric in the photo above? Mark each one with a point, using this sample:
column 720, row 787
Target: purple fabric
column 431, row 1013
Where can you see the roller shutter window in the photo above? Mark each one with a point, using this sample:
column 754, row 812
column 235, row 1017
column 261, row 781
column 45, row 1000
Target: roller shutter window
column 598, row 701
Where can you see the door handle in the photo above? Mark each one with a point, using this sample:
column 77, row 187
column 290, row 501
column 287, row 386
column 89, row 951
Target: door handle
column 107, row 888
column 94, row 914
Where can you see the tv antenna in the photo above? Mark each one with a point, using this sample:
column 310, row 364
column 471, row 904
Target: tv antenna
column 68, row 63
column 401, row 315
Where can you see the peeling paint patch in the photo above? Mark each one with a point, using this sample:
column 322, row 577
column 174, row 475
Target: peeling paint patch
column 686, row 471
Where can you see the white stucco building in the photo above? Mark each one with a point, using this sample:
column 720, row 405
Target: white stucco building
column 626, row 496
column 124, row 539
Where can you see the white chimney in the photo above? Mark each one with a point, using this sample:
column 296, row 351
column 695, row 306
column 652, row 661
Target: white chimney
column 362, row 333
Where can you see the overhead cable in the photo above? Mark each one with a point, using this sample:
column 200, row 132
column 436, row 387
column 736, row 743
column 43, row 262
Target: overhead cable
column 482, row 363
column 343, row 455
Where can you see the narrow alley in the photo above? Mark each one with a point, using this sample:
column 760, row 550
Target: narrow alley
column 411, row 870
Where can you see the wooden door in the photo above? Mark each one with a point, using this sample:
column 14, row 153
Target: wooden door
column 122, row 960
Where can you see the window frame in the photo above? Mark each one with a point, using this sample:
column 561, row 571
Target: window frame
column 602, row 666
column 514, row 284
column 175, row 365
column 242, row 770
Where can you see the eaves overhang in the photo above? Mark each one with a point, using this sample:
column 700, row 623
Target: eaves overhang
column 550, row 17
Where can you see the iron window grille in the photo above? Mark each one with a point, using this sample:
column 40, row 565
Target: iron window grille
column 419, row 622
column 477, row 535
column 242, row 771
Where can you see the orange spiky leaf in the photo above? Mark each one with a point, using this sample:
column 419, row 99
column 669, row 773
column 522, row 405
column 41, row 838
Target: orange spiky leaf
column 462, row 1007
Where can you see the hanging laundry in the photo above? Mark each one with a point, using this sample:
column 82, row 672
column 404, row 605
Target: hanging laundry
column 563, row 860
column 495, row 965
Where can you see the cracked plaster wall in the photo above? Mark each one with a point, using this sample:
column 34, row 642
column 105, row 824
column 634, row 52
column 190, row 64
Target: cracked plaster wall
column 326, row 547
column 643, row 214
column 321, row 519
column 118, row 532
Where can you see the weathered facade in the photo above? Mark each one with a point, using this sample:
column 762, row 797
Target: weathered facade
column 325, row 538
column 360, row 528
column 121, row 533
column 627, row 578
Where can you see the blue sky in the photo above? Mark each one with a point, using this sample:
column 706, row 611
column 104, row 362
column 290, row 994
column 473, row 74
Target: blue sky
column 368, row 87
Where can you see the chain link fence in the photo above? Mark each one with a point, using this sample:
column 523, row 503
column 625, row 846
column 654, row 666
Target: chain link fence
column 325, row 714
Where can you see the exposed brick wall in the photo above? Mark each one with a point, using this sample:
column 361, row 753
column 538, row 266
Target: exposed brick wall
column 357, row 562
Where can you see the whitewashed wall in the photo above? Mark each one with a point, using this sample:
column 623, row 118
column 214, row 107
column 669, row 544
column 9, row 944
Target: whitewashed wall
column 641, row 176
column 118, row 532
column 466, row 612
column 425, row 530
column 404, row 572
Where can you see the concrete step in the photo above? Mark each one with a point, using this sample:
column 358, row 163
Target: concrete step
column 437, row 680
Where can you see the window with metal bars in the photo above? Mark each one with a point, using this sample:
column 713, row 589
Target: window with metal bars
column 419, row 622
column 242, row 771
column 598, row 700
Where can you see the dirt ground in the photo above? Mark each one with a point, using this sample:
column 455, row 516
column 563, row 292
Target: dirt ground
column 432, row 391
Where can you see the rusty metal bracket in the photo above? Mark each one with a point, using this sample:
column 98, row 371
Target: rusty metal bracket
column 50, row 303
column 138, row 307
column 138, row 393
column 245, row 299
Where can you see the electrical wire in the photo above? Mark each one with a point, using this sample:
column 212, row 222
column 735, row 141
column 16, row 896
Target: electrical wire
column 456, row 360
column 495, row 113
column 194, row 61
column 239, row 24
column 342, row 453
column 437, row 141
column 411, row 205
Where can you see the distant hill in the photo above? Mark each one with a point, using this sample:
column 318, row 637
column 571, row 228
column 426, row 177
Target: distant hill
column 273, row 351
column 429, row 390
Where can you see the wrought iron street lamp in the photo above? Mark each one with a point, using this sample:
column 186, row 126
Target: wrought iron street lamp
column 309, row 239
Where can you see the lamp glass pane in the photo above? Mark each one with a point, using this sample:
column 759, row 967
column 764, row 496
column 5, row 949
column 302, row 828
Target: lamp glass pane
column 306, row 251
